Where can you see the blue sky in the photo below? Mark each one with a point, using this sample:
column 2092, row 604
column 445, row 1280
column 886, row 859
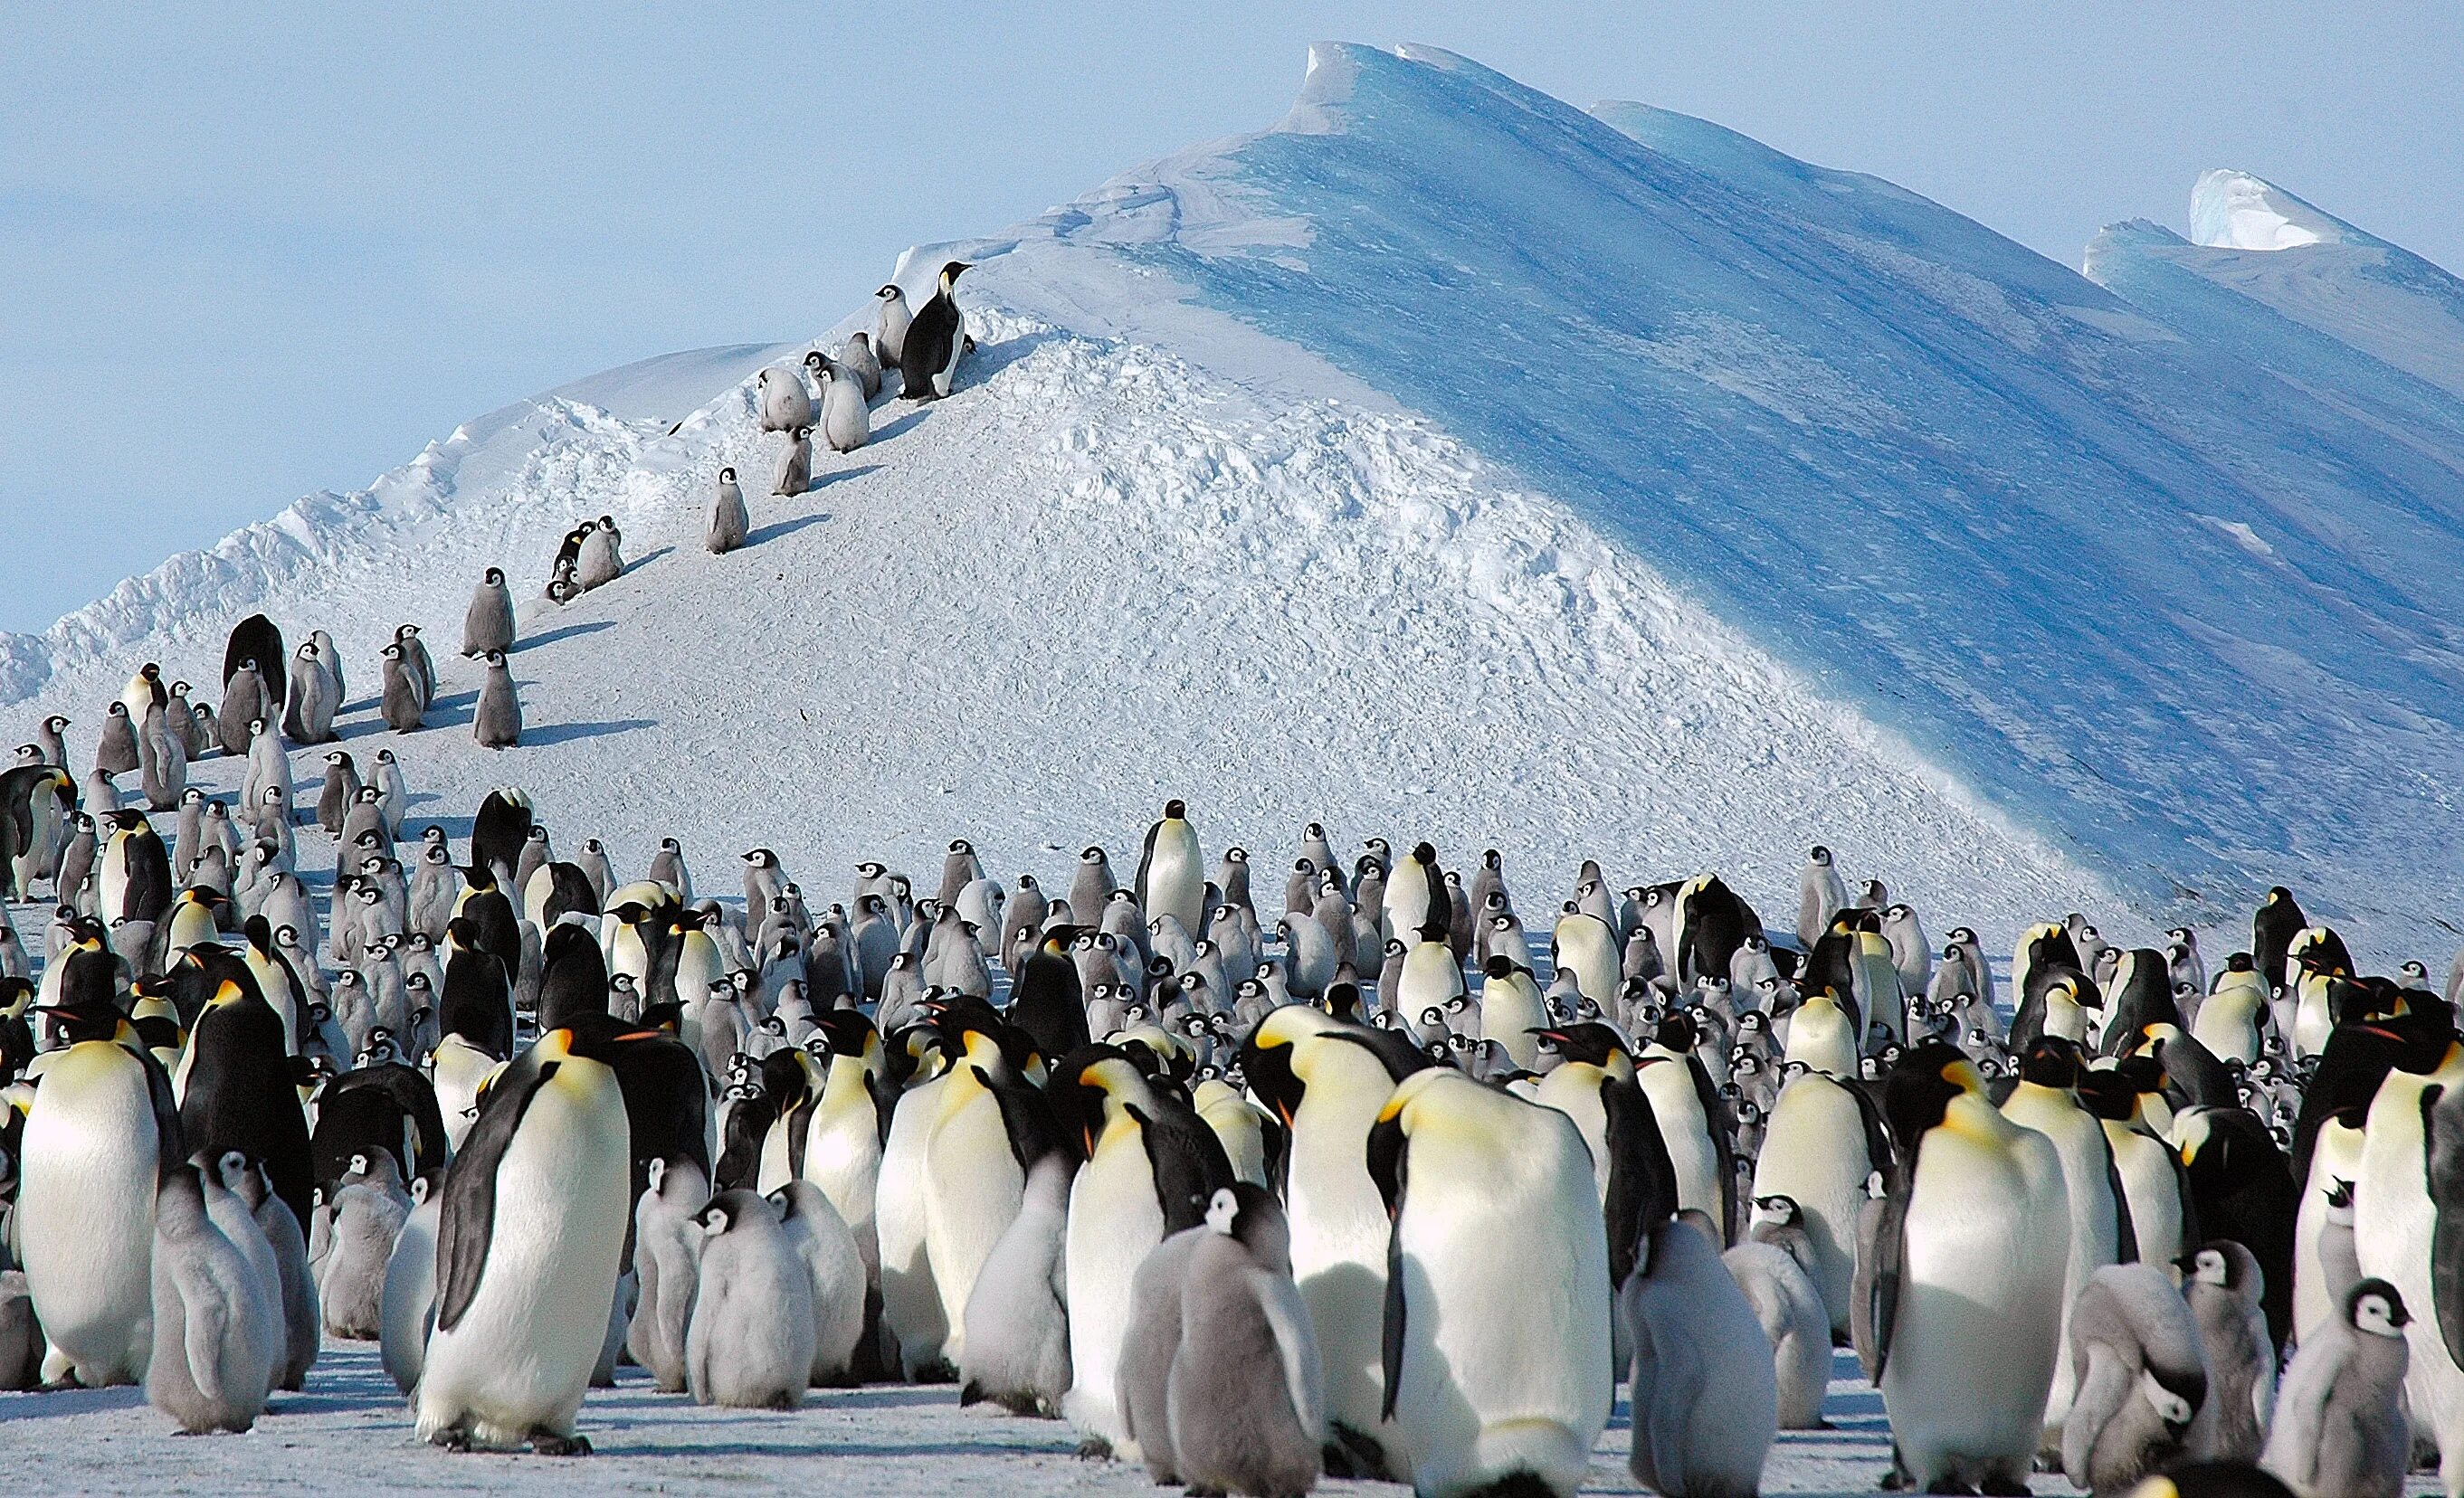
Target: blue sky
column 246, row 259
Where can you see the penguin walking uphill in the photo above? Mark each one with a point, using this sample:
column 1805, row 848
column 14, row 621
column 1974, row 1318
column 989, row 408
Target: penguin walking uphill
column 1961, row 1276
column 929, row 355
column 529, row 1241
column 100, row 1137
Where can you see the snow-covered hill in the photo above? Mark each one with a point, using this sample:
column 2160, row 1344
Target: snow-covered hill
column 1450, row 461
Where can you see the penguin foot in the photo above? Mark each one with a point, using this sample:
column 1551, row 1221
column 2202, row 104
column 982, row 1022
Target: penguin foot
column 456, row 1440
column 547, row 1442
column 1094, row 1448
column 2004, row 1487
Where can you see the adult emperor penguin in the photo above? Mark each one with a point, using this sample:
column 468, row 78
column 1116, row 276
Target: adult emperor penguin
column 1962, row 1271
column 2154, row 1192
column 1705, row 1394
column 133, row 876
column 2408, row 1220
column 2101, row 1231
column 1326, row 1079
column 34, row 804
column 1484, row 1189
column 1694, row 1120
column 1593, row 1084
column 100, row 1135
column 488, row 625
column 911, row 1304
column 1823, row 1140
column 729, row 520
column 529, row 1242
column 1151, row 1167
column 1172, row 875
column 239, row 1090
column 929, row 355
column 974, row 1181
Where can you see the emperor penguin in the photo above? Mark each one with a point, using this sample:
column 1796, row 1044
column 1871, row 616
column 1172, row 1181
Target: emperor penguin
column 1245, row 1394
column 1482, row 1189
column 308, row 715
column 528, row 1248
column 2155, row 1195
column 911, row 1303
column 890, row 325
column 794, row 473
column 2101, row 1231
column 2222, row 1285
column 844, row 420
column 1584, row 945
column 403, row 706
column 216, row 1349
column 116, row 753
column 2408, row 1219
column 603, row 559
column 781, row 397
column 858, row 355
column 1172, row 874
column 497, row 722
column 1693, row 1118
column 409, row 1303
column 244, row 702
column 2139, row 1375
column 1326, row 1079
column 666, row 1254
column 2341, row 1429
column 2234, row 1013
column 2278, row 920
column 938, row 334
column 1822, row 1141
column 1017, row 1348
column 488, row 625
column 835, row 1269
column 1593, row 1084
column 729, row 520
column 843, row 1139
column 368, row 1211
column 1704, row 1394
column 1820, row 895
column 301, row 1325
column 1152, row 1166
column 101, row 1134
column 1961, row 1276
column 1794, row 1320
column 749, row 1344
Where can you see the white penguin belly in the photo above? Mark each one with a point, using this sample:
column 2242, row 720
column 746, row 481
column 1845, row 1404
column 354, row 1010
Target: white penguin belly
column 2336, row 1156
column 519, row 1357
column 1114, row 1221
column 1813, row 1151
column 85, row 1211
column 843, row 1157
column 1683, row 1128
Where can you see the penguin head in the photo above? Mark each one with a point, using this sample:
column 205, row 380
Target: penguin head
column 1819, row 857
column 2051, row 1061
column 731, row 1209
column 594, row 1037
column 1176, row 811
column 1250, row 1214
column 952, row 271
column 2224, row 1264
column 494, row 578
column 889, row 292
column 1919, row 1088
column 2377, row 1307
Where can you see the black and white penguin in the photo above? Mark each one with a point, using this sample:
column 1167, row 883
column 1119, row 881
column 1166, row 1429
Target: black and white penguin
column 239, row 1088
column 1962, row 1271
column 750, row 1341
column 929, row 349
column 2409, row 1218
column 729, row 521
column 2138, row 1377
column 2278, row 920
column 2100, row 1229
column 496, row 724
column 538, row 1194
column 890, row 326
column 1172, row 874
column 488, row 625
column 1492, row 1391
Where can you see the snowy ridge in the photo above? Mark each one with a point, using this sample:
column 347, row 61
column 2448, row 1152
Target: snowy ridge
column 1448, row 459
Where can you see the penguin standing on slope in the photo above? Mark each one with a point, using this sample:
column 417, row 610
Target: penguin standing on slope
column 528, row 1248
column 928, row 358
column 890, row 329
column 1172, row 874
column 795, row 463
column 497, row 722
column 489, row 623
column 844, row 420
column 729, row 520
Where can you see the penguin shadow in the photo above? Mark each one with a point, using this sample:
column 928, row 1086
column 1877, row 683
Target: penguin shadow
column 55, row 1403
column 569, row 632
column 568, row 733
column 778, row 528
column 648, row 557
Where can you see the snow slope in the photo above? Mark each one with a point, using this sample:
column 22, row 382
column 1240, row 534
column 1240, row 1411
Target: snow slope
column 1447, row 460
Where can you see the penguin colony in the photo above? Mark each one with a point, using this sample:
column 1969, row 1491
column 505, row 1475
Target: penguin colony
column 1393, row 1187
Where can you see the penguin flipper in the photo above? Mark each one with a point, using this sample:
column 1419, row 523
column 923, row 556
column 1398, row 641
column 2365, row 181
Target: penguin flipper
column 1287, row 1317
column 170, row 1140
column 1388, row 1166
column 1881, row 1261
column 206, row 1325
column 2442, row 1125
column 2125, row 1248
column 1146, row 857
column 468, row 1217
column 1642, row 1179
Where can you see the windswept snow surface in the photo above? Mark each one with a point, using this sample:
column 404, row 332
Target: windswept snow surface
column 1450, row 461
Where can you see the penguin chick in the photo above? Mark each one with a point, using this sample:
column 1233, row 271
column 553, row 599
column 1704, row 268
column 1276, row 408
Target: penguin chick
column 1246, row 1396
column 489, row 623
column 1705, row 1396
column 214, row 1361
column 368, row 1213
column 1793, row 1316
column 409, row 1307
column 1016, row 1351
column 497, row 724
column 729, row 520
column 796, row 464
column 2135, row 1355
column 750, row 1343
column 845, row 420
column 2222, row 1286
column 834, row 1262
column 666, row 1252
column 2340, row 1429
